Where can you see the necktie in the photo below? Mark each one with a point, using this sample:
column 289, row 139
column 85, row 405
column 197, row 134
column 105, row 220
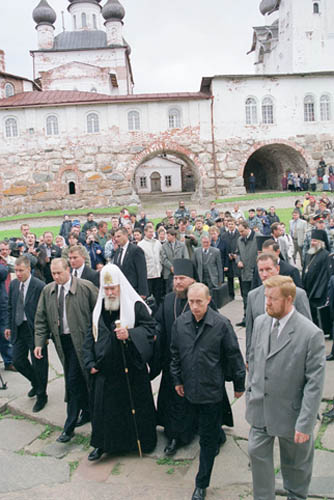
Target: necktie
column 61, row 310
column 274, row 336
column 76, row 273
column 19, row 315
column 120, row 256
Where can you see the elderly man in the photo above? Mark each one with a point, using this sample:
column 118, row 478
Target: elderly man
column 286, row 376
column 64, row 312
column 267, row 267
column 208, row 262
column 316, row 272
column 203, row 343
column 116, row 351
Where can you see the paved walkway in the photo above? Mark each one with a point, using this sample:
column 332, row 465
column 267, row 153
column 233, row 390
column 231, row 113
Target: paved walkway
column 34, row 466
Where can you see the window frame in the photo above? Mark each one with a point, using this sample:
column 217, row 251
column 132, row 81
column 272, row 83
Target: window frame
column 9, row 85
column 251, row 110
column 168, row 181
column 133, row 120
column 52, row 122
column 10, row 128
column 84, row 20
column 266, row 112
column 143, row 182
column 328, row 111
column 174, row 114
column 94, row 129
column 309, row 109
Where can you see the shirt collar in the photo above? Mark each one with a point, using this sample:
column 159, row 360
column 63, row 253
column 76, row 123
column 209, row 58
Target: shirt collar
column 27, row 282
column 283, row 321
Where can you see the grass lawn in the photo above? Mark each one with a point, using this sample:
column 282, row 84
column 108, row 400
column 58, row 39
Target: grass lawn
column 265, row 196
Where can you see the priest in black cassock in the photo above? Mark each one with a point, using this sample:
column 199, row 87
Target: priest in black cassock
column 316, row 272
column 116, row 351
column 180, row 425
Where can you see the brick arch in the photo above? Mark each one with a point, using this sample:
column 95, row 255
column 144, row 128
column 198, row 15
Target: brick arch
column 175, row 149
column 59, row 185
column 271, row 159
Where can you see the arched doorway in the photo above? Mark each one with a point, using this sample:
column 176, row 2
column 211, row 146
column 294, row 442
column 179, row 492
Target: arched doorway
column 270, row 162
column 155, row 182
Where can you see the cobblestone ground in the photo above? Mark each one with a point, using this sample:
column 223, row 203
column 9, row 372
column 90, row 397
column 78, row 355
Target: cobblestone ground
column 34, row 466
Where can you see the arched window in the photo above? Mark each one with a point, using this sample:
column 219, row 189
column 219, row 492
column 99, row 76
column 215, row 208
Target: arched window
column 325, row 108
column 93, row 89
column 261, row 55
column 94, row 22
column 309, row 115
column 251, row 111
column 11, row 127
column 93, row 124
column 267, row 110
column 316, row 8
column 133, row 120
column 74, row 22
column 84, row 20
column 71, row 187
column 52, row 125
column 174, row 118
column 9, row 90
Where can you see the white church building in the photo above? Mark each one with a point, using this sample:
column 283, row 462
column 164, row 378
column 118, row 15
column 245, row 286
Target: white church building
column 78, row 135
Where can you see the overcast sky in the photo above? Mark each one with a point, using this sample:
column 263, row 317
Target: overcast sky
column 174, row 42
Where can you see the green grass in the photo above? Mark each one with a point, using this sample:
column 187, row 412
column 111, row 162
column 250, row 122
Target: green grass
column 16, row 233
column 47, row 432
column 266, row 196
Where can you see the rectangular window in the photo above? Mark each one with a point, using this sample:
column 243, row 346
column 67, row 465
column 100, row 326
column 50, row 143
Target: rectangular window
column 309, row 112
column 267, row 114
column 143, row 183
column 168, row 180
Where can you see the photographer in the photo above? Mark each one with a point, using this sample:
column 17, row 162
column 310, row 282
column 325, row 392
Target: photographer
column 95, row 251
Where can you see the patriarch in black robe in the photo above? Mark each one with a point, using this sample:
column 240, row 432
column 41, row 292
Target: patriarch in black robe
column 116, row 352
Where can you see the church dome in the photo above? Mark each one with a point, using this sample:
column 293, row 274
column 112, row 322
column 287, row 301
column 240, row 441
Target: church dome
column 113, row 9
column 269, row 6
column 44, row 13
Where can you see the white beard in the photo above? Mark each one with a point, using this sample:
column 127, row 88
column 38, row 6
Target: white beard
column 313, row 250
column 111, row 304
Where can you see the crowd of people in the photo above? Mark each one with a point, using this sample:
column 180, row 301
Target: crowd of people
column 126, row 304
column 322, row 179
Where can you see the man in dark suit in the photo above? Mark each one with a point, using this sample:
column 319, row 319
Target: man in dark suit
column 231, row 237
column 79, row 269
column 131, row 260
column 208, row 263
column 285, row 269
column 24, row 294
column 51, row 252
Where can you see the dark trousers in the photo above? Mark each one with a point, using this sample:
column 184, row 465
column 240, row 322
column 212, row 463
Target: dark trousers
column 230, row 282
column 155, row 288
column 245, row 289
column 209, row 426
column 76, row 386
column 35, row 371
column 5, row 345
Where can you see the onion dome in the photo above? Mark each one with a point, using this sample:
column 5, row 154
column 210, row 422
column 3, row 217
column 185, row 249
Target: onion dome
column 269, row 6
column 113, row 10
column 44, row 13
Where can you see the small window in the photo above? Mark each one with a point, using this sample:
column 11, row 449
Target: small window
column 143, row 182
column 9, row 90
column 52, row 125
column 168, row 180
column 174, row 118
column 133, row 120
column 75, row 22
column 309, row 114
column 267, row 110
column 261, row 55
column 94, row 22
column 316, row 8
column 93, row 125
column 325, row 108
column 71, row 187
column 11, row 127
column 251, row 111
column 84, row 20
column 93, row 89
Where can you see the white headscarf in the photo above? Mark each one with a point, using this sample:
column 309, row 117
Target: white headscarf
column 112, row 275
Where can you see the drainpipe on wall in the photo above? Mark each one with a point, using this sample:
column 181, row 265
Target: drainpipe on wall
column 214, row 158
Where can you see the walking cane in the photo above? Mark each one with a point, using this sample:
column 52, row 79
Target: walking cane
column 126, row 371
column 3, row 384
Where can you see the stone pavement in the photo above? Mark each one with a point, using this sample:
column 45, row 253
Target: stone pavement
column 34, row 466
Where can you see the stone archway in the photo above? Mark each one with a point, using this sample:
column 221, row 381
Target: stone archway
column 270, row 162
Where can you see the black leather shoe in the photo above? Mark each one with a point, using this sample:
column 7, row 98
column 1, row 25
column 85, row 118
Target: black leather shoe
column 10, row 368
column 171, row 447
column 64, row 437
column 96, row 454
column 199, row 494
column 241, row 323
column 330, row 357
column 82, row 420
column 40, row 403
column 32, row 392
column 329, row 414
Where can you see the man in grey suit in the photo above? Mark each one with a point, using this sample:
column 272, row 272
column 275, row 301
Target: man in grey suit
column 268, row 267
column 208, row 262
column 298, row 228
column 170, row 250
column 286, row 377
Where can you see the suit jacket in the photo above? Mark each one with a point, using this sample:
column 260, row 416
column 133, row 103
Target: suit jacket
column 285, row 386
column 215, row 268
column 91, row 275
column 300, row 231
column 30, row 304
column 231, row 240
column 167, row 255
column 134, row 268
column 256, row 307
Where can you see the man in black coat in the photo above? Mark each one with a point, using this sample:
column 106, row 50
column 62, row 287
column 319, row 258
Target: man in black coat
column 131, row 260
column 316, row 272
column 51, row 252
column 285, row 269
column 205, row 351
column 231, row 237
column 79, row 269
column 24, row 294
